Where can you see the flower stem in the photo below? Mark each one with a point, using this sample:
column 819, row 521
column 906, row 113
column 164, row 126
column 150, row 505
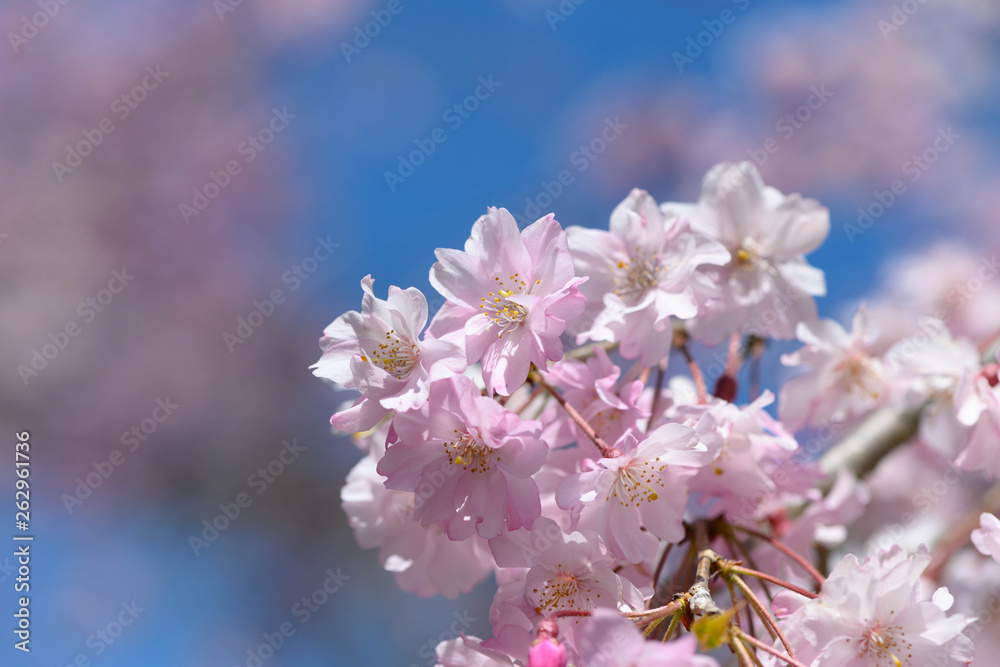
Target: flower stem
column 750, row 639
column 696, row 375
column 606, row 451
column 764, row 614
column 774, row 580
column 802, row 562
column 742, row 653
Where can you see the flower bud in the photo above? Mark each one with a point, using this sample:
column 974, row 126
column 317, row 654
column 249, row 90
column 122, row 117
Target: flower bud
column 547, row 653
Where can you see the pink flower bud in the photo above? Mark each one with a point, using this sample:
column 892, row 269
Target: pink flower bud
column 547, row 653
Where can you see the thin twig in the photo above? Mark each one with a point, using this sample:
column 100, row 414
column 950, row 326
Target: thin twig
column 736, row 606
column 764, row 614
column 674, row 623
column 750, row 639
column 774, row 580
column 606, row 451
column 802, row 562
column 741, row 652
column 696, row 374
column 727, row 532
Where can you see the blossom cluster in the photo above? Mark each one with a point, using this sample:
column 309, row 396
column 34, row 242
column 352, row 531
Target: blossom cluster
column 615, row 499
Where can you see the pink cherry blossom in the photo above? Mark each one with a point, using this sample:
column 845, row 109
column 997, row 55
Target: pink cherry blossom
column 379, row 352
column 608, row 640
column 643, row 271
column 423, row 561
column 935, row 368
column 871, row 613
column 635, row 499
column 978, row 405
column 468, row 459
column 592, row 387
column 509, row 296
column 467, row 651
column 987, row 536
column 753, row 470
column 566, row 571
column 845, row 379
column 768, row 287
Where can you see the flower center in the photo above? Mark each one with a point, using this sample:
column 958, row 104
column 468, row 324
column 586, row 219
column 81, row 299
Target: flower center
column 467, row 451
column 859, row 373
column 634, row 277
column 635, row 483
column 395, row 356
column 566, row 591
column 505, row 314
column 748, row 256
column 882, row 646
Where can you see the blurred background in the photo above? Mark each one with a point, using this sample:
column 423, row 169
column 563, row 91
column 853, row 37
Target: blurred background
column 166, row 166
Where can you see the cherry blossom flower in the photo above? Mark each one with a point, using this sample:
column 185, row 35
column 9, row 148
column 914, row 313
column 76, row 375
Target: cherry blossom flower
column 467, row 651
column 945, row 374
column 469, row 460
column 643, row 271
column 379, row 352
column 633, row 499
column 767, row 288
column 509, row 296
column 566, row 571
column 978, row 405
column 423, row 560
column 987, row 536
column 845, row 379
column 823, row 522
column 592, row 387
column 753, row 467
column 871, row 613
column 608, row 640
column 546, row 570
